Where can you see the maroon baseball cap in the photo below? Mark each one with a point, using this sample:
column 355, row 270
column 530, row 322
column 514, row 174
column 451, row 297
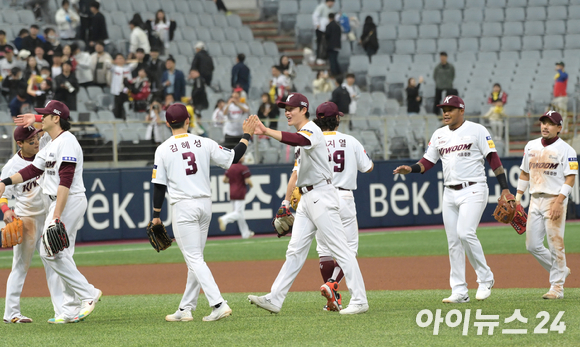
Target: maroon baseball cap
column 328, row 109
column 176, row 113
column 553, row 116
column 294, row 100
column 24, row 133
column 453, row 101
column 56, row 108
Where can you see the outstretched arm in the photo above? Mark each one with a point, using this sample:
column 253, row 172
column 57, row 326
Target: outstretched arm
column 420, row 167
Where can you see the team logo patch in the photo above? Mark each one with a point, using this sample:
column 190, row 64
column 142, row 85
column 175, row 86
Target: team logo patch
column 305, row 132
column 488, row 138
column 69, row 159
column 154, row 174
column 490, row 144
column 225, row 149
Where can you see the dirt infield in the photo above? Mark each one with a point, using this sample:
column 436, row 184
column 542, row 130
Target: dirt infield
column 404, row 273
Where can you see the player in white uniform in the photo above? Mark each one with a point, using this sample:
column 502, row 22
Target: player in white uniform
column 348, row 157
column 318, row 211
column 31, row 208
column 182, row 168
column 549, row 167
column 61, row 160
column 462, row 146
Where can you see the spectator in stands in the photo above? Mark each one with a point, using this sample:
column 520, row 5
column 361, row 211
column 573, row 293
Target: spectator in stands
column 12, row 83
column 98, row 26
column 288, row 67
column 279, row 85
column 353, row 91
column 51, row 45
column 320, row 20
column 198, row 94
column 141, row 61
column 218, row 116
column 560, row 101
column 20, row 104
column 39, row 56
column 347, row 25
column 241, row 74
column 443, row 74
column 67, row 55
column 155, row 69
column 31, row 68
column 8, row 62
column 140, row 89
column 19, row 41
column 341, row 97
column 323, row 83
column 138, row 39
column 41, row 94
column 269, row 110
column 67, row 86
column 32, row 41
column 3, row 43
column 56, row 68
column 413, row 98
column 369, row 40
column 203, row 63
column 23, row 58
column 333, row 36
column 40, row 8
column 138, row 21
column 83, row 72
column 83, row 8
column 173, row 80
column 101, row 63
column 221, row 6
column 235, row 112
column 67, row 21
column 497, row 99
column 160, row 32
column 119, row 72
column 155, row 117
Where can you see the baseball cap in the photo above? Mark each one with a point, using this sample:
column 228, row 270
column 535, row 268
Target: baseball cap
column 56, row 108
column 24, row 133
column 294, row 100
column 553, row 116
column 8, row 48
column 328, row 109
column 453, row 101
column 176, row 113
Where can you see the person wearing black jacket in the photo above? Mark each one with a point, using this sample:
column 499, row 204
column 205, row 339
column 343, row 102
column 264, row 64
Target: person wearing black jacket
column 155, row 69
column 413, row 98
column 32, row 41
column 369, row 39
column 203, row 63
column 198, row 94
column 67, row 87
column 333, row 35
column 269, row 110
column 98, row 29
column 341, row 97
column 241, row 74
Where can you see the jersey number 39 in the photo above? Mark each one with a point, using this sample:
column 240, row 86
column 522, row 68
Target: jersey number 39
column 191, row 169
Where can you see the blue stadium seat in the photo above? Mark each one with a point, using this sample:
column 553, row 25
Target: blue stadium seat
column 433, row 5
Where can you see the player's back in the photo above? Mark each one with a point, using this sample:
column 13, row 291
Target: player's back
column 348, row 157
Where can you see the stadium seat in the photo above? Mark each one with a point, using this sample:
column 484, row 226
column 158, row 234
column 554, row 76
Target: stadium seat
column 203, row 34
column 468, row 44
column 552, row 55
column 350, row 6
column 242, row 47
column 431, row 17
column 496, row 3
column 217, row 34
column 535, row 13
column 118, row 18
column 371, row 6
column 181, row 6
column 214, row 48
column 363, row 15
column 429, row 31
column 405, row 46
column 186, row 49
column 139, row 6
column 573, row 42
column 513, row 28
column 228, row 49
column 206, row 21
column 407, row 32
column 246, row 33
column 392, row 5
column 412, row 4
column 387, row 32
column 447, row 45
column 308, row 7
column 532, row 43
column 410, row 17
column 537, row 2
column 555, row 27
column 489, row 44
column 515, row 14
column 452, row 16
column 287, row 14
column 494, row 15
column 389, row 18
column 426, row 46
column 509, row 57
column 386, row 46
column 475, row 3
column 492, row 29
column 233, row 35
column 559, row 2
column 257, row 49
column 534, row 28
column 424, row 59
column 473, row 15
column 454, row 4
column 487, row 58
column 376, row 78
column 234, row 21
column 470, row 30
column 271, row 49
column 511, row 43
column 449, row 30
column 553, row 42
column 208, row 7
column 220, row 20
column 152, row 5
column 197, row 7
column 573, row 12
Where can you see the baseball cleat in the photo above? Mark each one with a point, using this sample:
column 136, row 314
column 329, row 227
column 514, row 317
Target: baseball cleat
column 456, row 299
column 339, row 301
column 19, row 319
column 63, row 320
column 263, row 303
column 355, row 309
column 553, row 295
column 328, row 290
column 249, row 236
column 222, row 224
column 88, row 306
column 180, row 316
column 218, row 313
column 484, row 291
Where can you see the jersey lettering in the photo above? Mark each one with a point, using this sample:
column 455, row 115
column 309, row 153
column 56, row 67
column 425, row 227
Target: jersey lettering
column 549, row 166
column 338, row 158
column 462, row 147
column 50, row 164
column 190, row 157
column 29, row 186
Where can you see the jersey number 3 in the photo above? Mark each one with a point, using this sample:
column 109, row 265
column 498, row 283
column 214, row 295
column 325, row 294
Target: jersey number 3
column 192, row 166
column 338, row 158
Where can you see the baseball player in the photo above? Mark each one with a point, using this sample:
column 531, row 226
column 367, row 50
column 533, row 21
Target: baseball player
column 462, row 147
column 61, row 160
column 318, row 211
column 31, row 208
column 345, row 151
column 182, row 168
column 238, row 176
column 549, row 168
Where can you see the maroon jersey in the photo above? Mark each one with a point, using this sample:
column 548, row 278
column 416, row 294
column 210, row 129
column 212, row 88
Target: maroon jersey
column 237, row 174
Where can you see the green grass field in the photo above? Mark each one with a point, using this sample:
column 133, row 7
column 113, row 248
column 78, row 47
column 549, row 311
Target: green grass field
column 391, row 321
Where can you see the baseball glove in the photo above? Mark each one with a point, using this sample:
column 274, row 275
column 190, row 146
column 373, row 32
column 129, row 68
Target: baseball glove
column 158, row 237
column 12, row 233
column 295, row 198
column 505, row 210
column 520, row 220
column 283, row 221
column 55, row 239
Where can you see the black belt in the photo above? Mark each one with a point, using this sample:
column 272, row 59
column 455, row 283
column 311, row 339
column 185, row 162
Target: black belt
column 346, row 190
column 52, row 197
column 461, row 186
column 309, row 188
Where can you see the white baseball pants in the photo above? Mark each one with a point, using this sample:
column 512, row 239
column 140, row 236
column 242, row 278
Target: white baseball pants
column 539, row 225
column 349, row 222
column 318, row 214
column 237, row 215
column 191, row 220
column 462, row 210
column 74, row 286
column 31, row 240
